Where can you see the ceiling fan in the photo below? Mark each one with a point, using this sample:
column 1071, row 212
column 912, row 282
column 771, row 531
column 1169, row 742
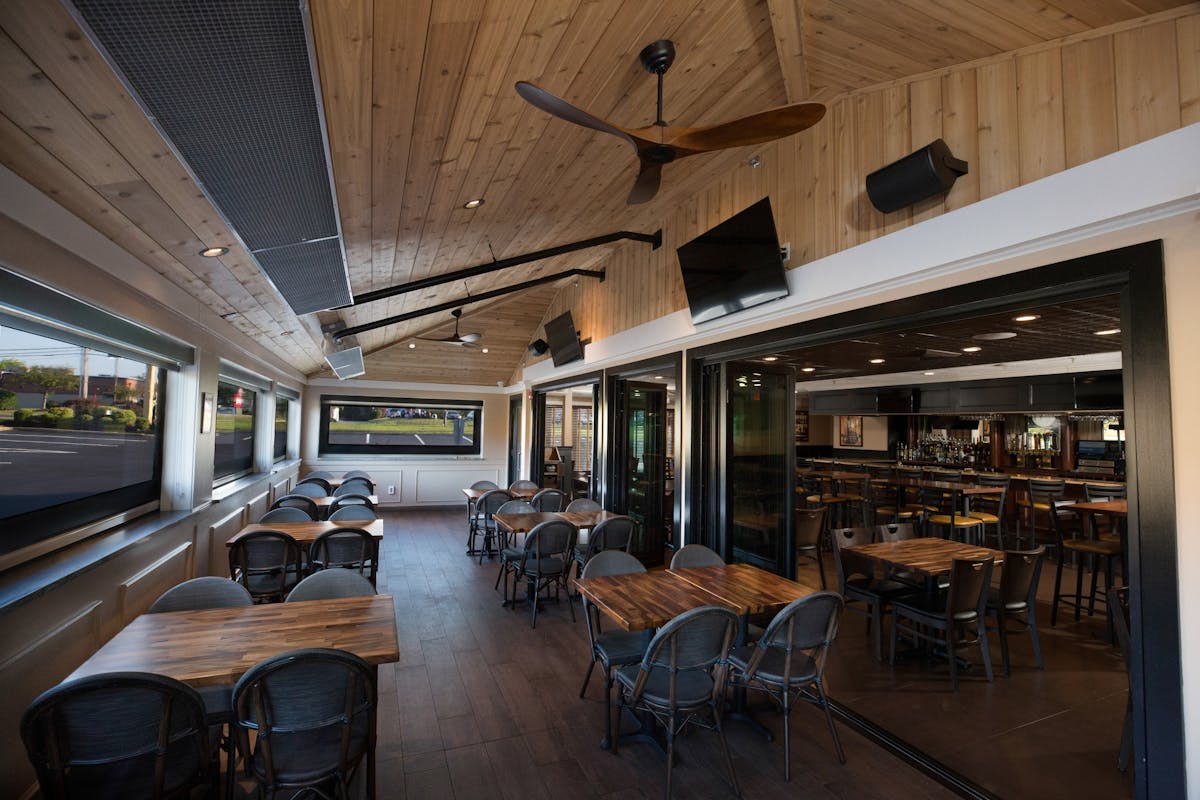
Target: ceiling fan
column 465, row 340
column 660, row 143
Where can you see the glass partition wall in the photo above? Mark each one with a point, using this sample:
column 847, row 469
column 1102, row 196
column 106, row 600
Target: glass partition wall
column 564, row 435
column 984, row 738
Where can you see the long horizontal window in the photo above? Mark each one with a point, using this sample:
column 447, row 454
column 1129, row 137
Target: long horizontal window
column 80, row 435
column 400, row 426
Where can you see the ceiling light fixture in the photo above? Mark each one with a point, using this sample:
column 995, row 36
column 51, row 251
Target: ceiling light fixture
column 808, row 369
column 929, row 373
column 1027, row 318
column 771, row 358
column 213, row 252
column 1108, row 332
column 994, row 337
column 972, row 349
column 484, row 351
column 472, row 204
column 412, row 345
column 876, row 360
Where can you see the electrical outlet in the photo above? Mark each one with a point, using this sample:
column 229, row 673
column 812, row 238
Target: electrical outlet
column 785, row 252
column 391, row 490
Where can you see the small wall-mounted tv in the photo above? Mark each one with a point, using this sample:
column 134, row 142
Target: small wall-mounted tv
column 563, row 339
column 734, row 266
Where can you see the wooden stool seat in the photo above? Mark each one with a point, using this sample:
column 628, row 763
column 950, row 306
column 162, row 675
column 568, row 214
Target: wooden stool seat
column 958, row 520
column 985, row 517
column 892, row 511
column 1099, row 548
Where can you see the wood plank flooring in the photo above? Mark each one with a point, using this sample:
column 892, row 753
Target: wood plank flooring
column 482, row 706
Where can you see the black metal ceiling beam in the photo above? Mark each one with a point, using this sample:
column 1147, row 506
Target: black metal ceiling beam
column 504, row 263
column 462, row 301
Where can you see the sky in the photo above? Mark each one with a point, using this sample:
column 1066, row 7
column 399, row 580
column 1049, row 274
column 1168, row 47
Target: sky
column 41, row 351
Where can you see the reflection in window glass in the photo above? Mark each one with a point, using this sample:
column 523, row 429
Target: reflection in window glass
column 582, row 433
column 385, row 425
column 79, row 435
column 281, row 421
column 554, row 426
column 235, row 429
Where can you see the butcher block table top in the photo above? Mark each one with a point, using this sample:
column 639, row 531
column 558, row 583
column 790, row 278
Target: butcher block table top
column 928, row 556
column 307, row 532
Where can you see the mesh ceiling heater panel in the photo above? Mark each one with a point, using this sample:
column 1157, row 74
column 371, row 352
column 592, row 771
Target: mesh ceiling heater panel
column 346, row 363
column 231, row 86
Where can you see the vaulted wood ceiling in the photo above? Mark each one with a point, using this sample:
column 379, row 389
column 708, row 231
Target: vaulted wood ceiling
column 422, row 117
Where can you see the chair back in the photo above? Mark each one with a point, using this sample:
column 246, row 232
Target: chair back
column 489, row 503
column 351, row 512
column 554, row 538
column 320, row 473
column 285, row 514
column 1019, row 577
column 516, row 507
column 695, row 555
column 895, row 532
column 611, row 562
column 354, row 486
column 523, row 486
column 298, row 501
column 969, row 580
column 806, row 626
column 613, row 533
column 481, row 486
column 848, row 565
column 351, row 499
column 346, row 548
column 119, row 735
column 1096, row 493
column 1065, row 523
column 330, row 584
column 209, row 591
column 310, row 489
column 995, row 502
column 313, row 715
column 356, row 473
column 550, row 500
column 695, row 641
column 810, row 522
column 267, row 563
column 314, row 480
column 584, row 504
column 1043, row 490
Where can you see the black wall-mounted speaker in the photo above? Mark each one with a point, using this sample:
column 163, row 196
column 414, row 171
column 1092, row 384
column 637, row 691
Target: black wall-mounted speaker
column 537, row 347
column 929, row 171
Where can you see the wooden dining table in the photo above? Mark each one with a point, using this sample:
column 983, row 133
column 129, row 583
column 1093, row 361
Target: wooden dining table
column 517, row 494
column 525, row 522
column 928, row 556
column 305, row 533
column 216, row 646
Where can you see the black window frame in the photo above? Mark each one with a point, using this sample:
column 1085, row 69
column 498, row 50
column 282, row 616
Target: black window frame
column 219, row 477
column 276, row 455
column 324, row 447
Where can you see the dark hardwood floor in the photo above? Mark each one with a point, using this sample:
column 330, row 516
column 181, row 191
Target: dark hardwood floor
column 481, row 705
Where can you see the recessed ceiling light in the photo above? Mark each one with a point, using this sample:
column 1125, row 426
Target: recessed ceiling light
column 484, row 350
column 476, row 203
column 1108, row 332
column 808, row 369
column 658, row 377
column 1027, row 318
column 771, row 358
column 213, row 252
column 994, row 337
column 876, row 360
column 412, row 345
column 972, row 349
column 930, row 373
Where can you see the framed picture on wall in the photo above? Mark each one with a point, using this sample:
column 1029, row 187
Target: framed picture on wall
column 850, row 432
column 801, row 426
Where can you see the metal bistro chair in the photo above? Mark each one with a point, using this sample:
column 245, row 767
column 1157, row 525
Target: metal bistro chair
column 321, row 473
column 544, row 562
column 311, row 489
column 356, row 473
column 695, row 555
column 523, row 486
column 354, row 486
column 120, row 735
column 285, row 514
column 316, row 480
column 681, row 679
column 330, row 584
column 313, row 715
column 549, row 500
column 810, row 529
column 584, row 504
column 790, row 658
column 510, row 554
column 348, row 500
column 300, row 501
column 472, row 517
column 613, row 533
column 963, row 605
column 487, row 505
column 345, row 548
column 267, row 563
column 611, row 648
column 351, row 512
column 1016, row 600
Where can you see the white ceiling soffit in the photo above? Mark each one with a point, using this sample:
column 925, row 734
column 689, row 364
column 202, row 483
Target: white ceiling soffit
column 232, row 88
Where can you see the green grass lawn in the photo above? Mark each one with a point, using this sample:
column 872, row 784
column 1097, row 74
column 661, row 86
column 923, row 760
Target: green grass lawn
column 403, row 426
column 227, row 423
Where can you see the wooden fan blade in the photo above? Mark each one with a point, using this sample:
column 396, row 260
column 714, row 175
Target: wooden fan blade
column 556, row 106
column 764, row 126
column 646, row 185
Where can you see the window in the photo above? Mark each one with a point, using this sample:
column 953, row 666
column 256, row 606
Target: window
column 80, row 432
column 235, row 430
column 386, row 425
column 279, row 451
column 554, row 426
column 582, row 435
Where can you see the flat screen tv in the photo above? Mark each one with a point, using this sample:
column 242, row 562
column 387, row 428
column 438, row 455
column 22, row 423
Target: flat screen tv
column 563, row 339
column 734, row 266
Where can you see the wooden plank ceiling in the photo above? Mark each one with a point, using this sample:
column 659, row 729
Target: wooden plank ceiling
column 422, row 117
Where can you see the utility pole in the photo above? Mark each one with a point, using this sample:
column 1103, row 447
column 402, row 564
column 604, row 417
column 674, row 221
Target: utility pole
column 83, row 374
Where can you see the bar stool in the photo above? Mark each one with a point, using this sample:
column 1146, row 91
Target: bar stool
column 948, row 516
column 1064, row 521
column 1040, row 497
column 994, row 505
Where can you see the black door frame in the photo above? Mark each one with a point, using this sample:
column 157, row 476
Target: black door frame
column 515, row 402
column 1137, row 273
column 537, row 455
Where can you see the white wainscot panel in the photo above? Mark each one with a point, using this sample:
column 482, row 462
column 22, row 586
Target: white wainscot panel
column 138, row 591
column 444, row 486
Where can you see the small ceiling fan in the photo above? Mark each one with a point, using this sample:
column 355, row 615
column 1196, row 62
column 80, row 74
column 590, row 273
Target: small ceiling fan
column 465, row 340
column 660, row 143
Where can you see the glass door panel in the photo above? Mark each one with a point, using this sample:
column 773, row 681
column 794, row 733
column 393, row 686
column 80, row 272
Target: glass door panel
column 642, row 464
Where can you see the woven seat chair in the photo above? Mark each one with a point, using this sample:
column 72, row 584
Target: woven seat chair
column 611, row 649
column 356, row 473
column 549, row 500
column 472, row 517
column 268, row 563
column 330, row 584
column 315, row 480
column 351, row 499
column 312, row 713
column 313, row 488
column 487, row 505
column 544, row 562
column 511, row 553
column 285, row 514
column 681, row 679
column 354, row 486
column 345, row 548
column 300, row 501
column 121, row 735
column 321, row 473
column 695, row 555
column 353, row 511
column 613, row 533
column 789, row 658
column 523, row 485
column 584, row 504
